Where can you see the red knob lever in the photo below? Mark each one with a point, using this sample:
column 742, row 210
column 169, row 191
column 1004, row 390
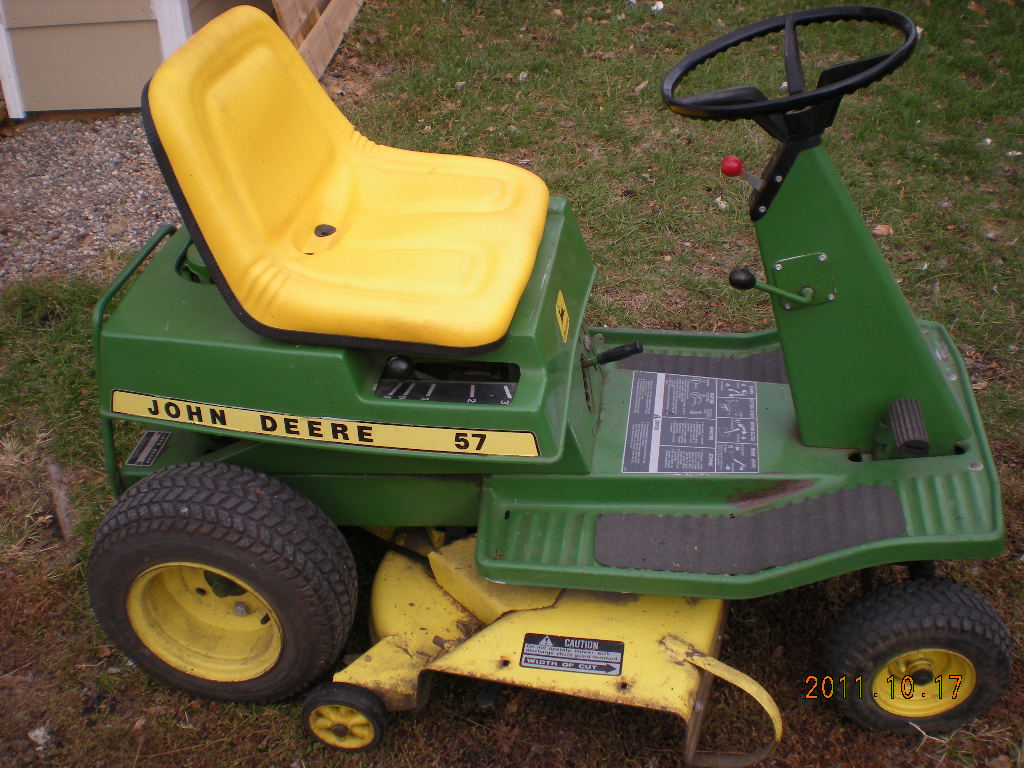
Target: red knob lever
column 732, row 166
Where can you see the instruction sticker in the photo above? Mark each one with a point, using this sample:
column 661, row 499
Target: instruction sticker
column 481, row 442
column 691, row 425
column 572, row 654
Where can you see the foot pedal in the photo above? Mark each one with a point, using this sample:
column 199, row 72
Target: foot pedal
column 910, row 435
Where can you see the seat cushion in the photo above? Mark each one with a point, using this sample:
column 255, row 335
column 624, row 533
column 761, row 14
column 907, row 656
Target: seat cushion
column 315, row 233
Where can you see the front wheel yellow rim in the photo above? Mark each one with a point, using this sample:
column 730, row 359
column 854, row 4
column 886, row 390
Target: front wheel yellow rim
column 342, row 727
column 924, row 683
column 204, row 622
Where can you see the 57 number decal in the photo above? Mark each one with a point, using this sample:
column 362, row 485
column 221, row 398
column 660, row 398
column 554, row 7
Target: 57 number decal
column 465, row 441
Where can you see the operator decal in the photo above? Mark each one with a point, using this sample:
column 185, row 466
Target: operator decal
column 479, row 442
column 562, row 316
column 572, row 654
column 680, row 425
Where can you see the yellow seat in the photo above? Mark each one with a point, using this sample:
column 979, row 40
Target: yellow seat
column 313, row 232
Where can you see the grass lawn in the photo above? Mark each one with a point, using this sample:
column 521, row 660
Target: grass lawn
column 570, row 91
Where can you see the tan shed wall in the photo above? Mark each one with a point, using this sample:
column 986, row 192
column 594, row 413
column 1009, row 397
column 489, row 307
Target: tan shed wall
column 98, row 54
column 40, row 13
column 85, row 66
column 82, row 54
column 203, row 11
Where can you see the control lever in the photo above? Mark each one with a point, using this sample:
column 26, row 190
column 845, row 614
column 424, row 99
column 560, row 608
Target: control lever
column 733, row 166
column 620, row 352
column 399, row 367
column 742, row 279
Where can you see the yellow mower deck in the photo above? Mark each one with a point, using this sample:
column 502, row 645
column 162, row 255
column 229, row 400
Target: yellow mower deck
column 647, row 651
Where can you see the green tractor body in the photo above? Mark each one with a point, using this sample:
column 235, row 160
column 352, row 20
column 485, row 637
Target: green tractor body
column 587, row 475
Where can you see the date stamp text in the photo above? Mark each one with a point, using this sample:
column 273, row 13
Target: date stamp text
column 906, row 687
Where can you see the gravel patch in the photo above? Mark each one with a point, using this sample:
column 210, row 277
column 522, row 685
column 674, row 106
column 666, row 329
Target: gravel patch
column 75, row 193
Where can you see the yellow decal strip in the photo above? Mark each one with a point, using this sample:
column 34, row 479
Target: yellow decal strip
column 482, row 442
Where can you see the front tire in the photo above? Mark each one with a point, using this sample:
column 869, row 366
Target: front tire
column 223, row 582
column 928, row 652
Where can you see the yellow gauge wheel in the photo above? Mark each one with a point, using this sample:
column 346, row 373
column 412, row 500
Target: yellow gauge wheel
column 204, row 622
column 342, row 727
column 924, row 683
column 345, row 716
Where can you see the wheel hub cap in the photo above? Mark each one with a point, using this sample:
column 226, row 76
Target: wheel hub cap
column 923, row 683
column 204, row 622
column 341, row 726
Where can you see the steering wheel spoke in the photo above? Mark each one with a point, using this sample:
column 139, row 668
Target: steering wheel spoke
column 794, row 67
column 736, row 95
column 840, row 72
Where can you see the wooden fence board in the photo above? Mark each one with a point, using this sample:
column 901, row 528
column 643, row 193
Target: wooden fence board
column 316, row 27
column 292, row 16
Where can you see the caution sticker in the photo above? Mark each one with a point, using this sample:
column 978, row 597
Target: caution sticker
column 562, row 316
column 480, row 442
column 572, row 654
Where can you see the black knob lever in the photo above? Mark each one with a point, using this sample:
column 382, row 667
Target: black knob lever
column 620, row 352
column 399, row 367
column 742, row 279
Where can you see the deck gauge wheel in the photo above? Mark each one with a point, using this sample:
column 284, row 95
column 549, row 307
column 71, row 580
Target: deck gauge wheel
column 344, row 716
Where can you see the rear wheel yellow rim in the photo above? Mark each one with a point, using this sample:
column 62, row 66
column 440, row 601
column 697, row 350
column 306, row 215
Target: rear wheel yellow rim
column 924, row 682
column 204, row 622
column 342, row 727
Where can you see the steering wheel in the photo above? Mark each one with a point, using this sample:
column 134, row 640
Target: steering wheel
column 746, row 101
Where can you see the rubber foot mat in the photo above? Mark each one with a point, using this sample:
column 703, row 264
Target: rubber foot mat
column 768, row 367
column 750, row 543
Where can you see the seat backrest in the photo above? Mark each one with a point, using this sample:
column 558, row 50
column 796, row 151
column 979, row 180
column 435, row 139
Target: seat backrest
column 246, row 138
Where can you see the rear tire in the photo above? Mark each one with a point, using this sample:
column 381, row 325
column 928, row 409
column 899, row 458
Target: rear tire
column 223, row 582
column 927, row 652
